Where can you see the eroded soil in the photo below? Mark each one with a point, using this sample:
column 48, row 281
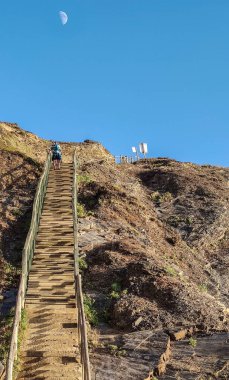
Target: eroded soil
column 156, row 247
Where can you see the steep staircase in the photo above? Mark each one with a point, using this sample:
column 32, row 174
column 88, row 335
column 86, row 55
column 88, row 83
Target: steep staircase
column 50, row 346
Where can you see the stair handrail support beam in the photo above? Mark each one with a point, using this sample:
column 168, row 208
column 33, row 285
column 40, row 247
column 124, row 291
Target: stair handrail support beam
column 27, row 257
column 82, row 326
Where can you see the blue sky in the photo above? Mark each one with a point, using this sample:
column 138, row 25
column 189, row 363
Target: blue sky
column 120, row 72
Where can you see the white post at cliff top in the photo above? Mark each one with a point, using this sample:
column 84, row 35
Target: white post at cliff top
column 134, row 150
column 143, row 148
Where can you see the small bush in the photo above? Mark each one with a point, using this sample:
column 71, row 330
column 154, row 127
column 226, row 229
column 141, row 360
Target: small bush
column 115, row 295
column 17, row 212
column 7, row 322
column 166, row 197
column 90, row 311
column 9, row 268
column 203, row 288
column 82, row 264
column 156, row 196
column 193, row 342
column 189, row 220
column 161, row 198
column 116, row 287
column 81, row 212
column 171, row 271
column 116, row 351
column 115, row 290
column 174, row 220
column 84, row 178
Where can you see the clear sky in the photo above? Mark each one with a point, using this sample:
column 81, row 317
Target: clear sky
column 120, row 72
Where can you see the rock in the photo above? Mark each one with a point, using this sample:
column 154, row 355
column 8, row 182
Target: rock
column 138, row 321
column 179, row 335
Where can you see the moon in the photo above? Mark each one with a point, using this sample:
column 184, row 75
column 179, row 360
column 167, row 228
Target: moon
column 63, row 17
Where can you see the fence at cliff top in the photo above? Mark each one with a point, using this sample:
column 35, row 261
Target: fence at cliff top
column 82, row 326
column 125, row 159
column 27, row 257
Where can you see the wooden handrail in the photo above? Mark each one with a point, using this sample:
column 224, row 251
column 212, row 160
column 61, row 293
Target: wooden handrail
column 75, row 215
column 82, row 326
column 27, row 257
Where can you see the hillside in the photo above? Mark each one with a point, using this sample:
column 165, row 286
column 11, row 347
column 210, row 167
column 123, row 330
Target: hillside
column 157, row 254
column 22, row 155
column 154, row 241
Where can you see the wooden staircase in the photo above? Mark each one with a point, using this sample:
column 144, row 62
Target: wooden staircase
column 50, row 347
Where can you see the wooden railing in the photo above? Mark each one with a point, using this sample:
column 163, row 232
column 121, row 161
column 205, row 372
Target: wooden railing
column 82, row 326
column 27, row 257
column 125, row 159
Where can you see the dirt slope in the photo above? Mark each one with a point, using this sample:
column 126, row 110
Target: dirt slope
column 157, row 251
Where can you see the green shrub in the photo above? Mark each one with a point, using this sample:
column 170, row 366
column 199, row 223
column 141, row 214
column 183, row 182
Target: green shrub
column 192, row 342
column 17, row 212
column 116, row 287
column 90, row 311
column 171, row 271
column 160, row 198
column 115, row 290
column 115, row 295
column 84, row 178
column 81, row 212
column 116, row 351
column 7, row 322
column 166, row 197
column 156, row 196
column 203, row 288
column 189, row 220
column 82, row 263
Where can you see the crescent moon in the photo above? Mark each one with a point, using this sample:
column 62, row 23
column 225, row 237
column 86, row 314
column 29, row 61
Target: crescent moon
column 63, row 17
